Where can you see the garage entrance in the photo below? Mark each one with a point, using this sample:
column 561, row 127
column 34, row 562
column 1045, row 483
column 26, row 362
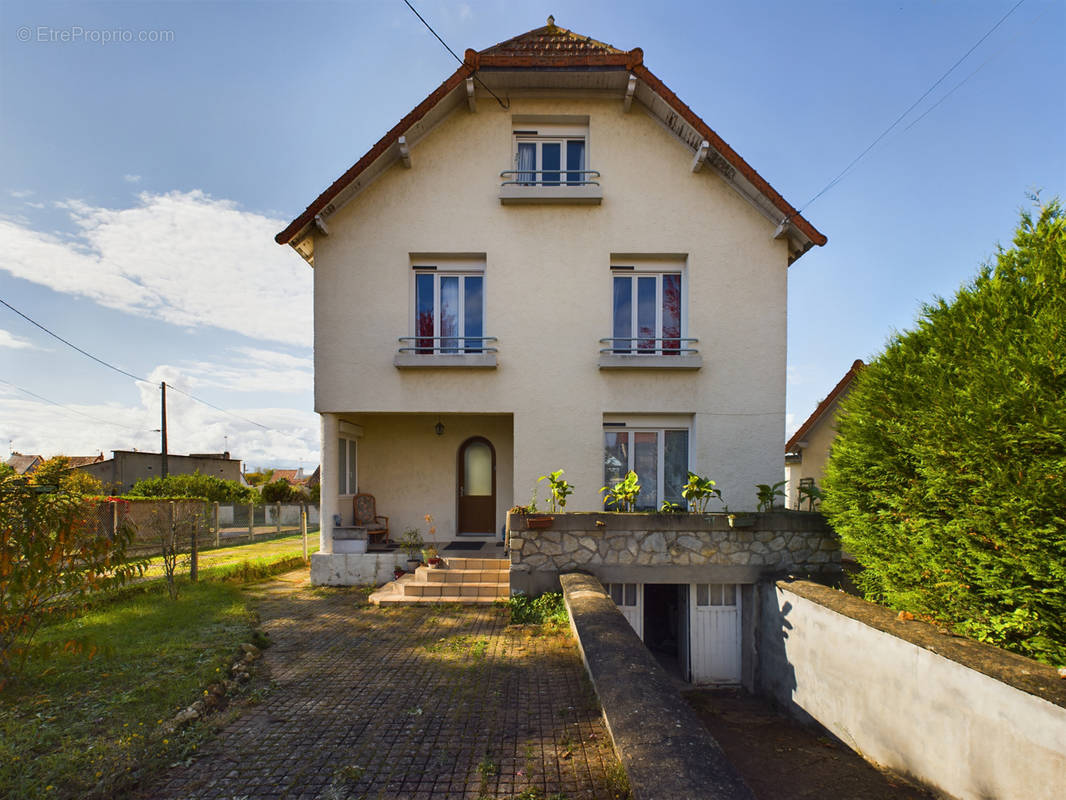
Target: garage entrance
column 666, row 629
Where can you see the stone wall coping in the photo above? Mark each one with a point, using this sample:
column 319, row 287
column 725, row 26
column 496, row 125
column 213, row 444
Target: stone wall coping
column 794, row 521
column 665, row 749
column 1012, row 669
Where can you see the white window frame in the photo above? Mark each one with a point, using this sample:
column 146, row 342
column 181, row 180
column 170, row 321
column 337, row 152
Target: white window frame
column 351, row 463
column 539, row 133
column 660, row 444
column 444, row 269
column 634, row 269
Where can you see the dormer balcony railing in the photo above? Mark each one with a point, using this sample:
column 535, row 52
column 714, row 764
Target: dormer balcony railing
column 447, row 345
column 549, row 177
column 580, row 186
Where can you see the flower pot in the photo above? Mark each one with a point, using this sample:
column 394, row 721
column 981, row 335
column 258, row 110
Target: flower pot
column 539, row 522
column 434, row 563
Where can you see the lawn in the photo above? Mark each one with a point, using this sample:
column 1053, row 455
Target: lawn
column 77, row 727
column 225, row 561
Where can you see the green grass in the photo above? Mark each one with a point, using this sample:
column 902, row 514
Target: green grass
column 78, row 727
column 261, row 553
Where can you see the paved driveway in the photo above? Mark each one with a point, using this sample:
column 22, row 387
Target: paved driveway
column 428, row 702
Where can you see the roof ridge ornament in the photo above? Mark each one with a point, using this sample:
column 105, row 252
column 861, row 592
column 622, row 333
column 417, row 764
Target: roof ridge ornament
column 551, row 21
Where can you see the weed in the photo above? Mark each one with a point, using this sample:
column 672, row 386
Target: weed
column 545, row 608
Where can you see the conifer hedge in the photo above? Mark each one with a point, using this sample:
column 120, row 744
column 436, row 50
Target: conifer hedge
column 948, row 478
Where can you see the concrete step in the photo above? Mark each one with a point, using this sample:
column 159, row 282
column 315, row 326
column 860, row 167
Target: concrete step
column 501, row 564
column 464, row 590
column 393, row 600
column 449, row 575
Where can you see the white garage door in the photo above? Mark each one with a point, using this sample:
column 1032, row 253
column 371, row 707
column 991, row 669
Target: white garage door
column 627, row 596
column 715, row 627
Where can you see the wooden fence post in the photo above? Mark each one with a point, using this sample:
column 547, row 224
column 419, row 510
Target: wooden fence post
column 251, row 521
column 214, row 522
column 303, row 527
column 194, row 571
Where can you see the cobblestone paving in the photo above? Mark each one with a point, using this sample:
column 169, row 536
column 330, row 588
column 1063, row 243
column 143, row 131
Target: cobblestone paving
column 405, row 702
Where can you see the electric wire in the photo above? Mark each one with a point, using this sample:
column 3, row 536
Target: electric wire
column 910, row 108
column 73, row 410
column 505, row 106
column 138, row 378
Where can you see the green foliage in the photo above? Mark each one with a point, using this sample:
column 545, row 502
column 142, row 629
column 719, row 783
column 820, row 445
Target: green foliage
column 699, row 491
column 946, row 479
column 260, row 478
column 208, row 487
column 767, row 495
column 560, row 489
column 812, row 494
column 623, row 495
column 671, row 508
column 56, row 471
column 412, row 543
column 53, row 552
column 281, row 491
column 544, row 608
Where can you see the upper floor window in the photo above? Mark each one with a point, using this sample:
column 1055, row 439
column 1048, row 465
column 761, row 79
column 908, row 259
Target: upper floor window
column 549, row 159
column 449, row 314
column 647, row 311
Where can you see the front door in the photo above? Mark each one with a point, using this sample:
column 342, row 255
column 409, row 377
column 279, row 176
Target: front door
column 477, row 487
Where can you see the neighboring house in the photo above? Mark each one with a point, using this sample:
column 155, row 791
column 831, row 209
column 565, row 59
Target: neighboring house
column 807, row 452
column 24, row 465
column 582, row 276
column 293, row 477
column 120, row 472
column 73, row 462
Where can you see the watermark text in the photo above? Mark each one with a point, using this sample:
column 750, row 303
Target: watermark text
column 76, row 34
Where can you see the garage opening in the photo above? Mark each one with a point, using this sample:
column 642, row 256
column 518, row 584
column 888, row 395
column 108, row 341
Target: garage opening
column 666, row 626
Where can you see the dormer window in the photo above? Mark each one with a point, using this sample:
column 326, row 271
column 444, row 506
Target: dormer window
column 550, row 162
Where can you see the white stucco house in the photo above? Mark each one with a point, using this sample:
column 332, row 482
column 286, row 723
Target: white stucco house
column 579, row 275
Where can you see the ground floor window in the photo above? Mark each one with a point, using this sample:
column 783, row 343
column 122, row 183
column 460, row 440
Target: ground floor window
column 623, row 594
column 346, row 466
column 658, row 456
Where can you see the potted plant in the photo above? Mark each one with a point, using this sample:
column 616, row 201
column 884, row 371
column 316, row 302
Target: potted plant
column 431, row 556
column 398, row 571
column 411, row 543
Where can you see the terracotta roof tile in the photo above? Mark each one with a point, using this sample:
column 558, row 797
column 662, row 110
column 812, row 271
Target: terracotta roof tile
column 823, row 406
column 551, row 40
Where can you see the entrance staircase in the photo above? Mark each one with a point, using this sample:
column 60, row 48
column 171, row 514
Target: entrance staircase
column 468, row 581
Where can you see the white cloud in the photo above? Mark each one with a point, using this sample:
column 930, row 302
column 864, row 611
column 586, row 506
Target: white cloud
column 182, row 257
column 13, row 342
column 465, row 12
column 18, row 194
column 255, row 370
column 131, row 178
column 33, row 426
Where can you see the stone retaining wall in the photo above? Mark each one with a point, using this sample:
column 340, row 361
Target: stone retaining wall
column 669, row 547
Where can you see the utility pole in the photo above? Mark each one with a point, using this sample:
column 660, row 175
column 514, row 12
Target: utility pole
column 163, row 428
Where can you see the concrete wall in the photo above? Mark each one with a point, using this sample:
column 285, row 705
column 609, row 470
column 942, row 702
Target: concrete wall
column 669, row 548
column 125, row 468
column 970, row 720
column 548, row 299
column 355, row 569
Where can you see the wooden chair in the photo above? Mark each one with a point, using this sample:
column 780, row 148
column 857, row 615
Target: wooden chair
column 366, row 516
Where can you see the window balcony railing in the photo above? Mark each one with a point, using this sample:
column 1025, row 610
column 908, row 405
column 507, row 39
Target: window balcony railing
column 669, row 352
column 566, row 186
column 646, row 346
column 549, row 177
column 447, row 345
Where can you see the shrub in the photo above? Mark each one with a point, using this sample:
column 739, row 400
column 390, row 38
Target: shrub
column 53, row 553
column 208, row 487
column 946, row 479
column 544, row 608
column 281, row 491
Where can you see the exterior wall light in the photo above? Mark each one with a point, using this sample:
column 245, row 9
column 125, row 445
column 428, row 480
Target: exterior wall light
column 439, row 427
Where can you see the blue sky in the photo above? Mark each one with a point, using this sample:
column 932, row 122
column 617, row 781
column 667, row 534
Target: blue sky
column 141, row 182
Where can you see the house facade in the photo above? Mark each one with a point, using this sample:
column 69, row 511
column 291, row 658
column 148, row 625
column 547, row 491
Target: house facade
column 578, row 275
column 126, row 467
column 807, row 451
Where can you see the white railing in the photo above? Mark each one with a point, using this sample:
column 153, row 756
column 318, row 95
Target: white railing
column 447, row 345
column 649, row 346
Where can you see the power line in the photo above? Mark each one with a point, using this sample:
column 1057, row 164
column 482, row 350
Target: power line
column 503, row 105
column 910, row 108
column 128, row 374
column 73, row 410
